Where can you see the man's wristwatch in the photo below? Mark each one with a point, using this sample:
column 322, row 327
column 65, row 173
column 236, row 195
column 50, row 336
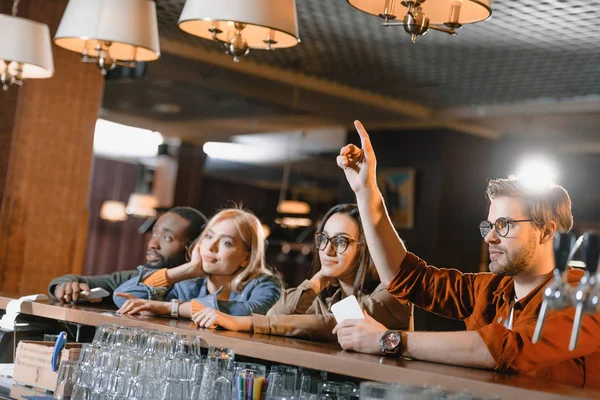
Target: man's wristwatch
column 390, row 342
column 175, row 308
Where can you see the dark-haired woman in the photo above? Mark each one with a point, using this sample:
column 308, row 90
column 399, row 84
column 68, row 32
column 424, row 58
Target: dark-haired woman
column 343, row 267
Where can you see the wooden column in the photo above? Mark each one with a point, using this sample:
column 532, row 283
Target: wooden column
column 43, row 218
column 190, row 174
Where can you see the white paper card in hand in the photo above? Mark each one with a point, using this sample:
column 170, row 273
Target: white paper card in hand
column 347, row 308
column 95, row 293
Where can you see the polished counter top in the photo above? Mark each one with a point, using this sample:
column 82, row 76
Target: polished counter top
column 324, row 356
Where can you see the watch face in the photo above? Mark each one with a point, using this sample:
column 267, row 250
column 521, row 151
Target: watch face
column 391, row 340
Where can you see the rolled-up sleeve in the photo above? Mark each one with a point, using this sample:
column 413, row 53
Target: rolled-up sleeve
column 295, row 300
column 514, row 351
column 309, row 326
column 139, row 290
column 386, row 309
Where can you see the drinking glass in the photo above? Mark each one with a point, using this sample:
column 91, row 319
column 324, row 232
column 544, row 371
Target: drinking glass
column 218, row 374
column 281, row 382
column 66, row 380
column 175, row 390
column 309, row 382
column 249, row 381
column 331, row 390
column 145, row 388
column 81, row 392
column 378, row 391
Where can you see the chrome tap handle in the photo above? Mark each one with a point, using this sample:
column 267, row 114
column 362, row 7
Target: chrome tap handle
column 540, row 322
column 554, row 294
column 584, row 297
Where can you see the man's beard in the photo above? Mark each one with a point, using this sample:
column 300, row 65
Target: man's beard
column 169, row 262
column 517, row 262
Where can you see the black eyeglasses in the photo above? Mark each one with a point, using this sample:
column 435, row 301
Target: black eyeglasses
column 338, row 243
column 502, row 226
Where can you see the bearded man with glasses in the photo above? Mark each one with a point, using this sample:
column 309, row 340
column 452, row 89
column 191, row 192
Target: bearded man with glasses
column 500, row 308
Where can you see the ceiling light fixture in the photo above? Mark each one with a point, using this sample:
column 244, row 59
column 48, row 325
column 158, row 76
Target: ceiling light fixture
column 142, row 205
column 110, row 32
column 242, row 25
column 113, row 211
column 25, row 49
column 420, row 15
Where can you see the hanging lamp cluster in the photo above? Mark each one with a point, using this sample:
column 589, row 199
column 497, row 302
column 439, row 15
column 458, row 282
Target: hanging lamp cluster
column 124, row 32
column 110, row 32
column 241, row 25
column 25, row 49
column 418, row 16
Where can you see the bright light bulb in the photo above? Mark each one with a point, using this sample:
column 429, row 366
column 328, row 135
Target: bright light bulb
column 117, row 140
column 537, row 173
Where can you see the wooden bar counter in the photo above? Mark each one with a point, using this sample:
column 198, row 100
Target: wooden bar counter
column 326, row 356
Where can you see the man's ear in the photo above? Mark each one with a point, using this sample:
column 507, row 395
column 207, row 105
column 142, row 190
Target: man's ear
column 548, row 232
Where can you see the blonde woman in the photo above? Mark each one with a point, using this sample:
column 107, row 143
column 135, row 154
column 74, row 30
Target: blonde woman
column 227, row 274
column 343, row 267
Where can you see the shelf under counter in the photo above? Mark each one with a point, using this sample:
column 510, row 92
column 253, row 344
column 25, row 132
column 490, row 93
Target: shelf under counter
column 325, row 356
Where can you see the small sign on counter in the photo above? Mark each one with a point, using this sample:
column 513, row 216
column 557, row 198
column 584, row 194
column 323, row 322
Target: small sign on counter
column 33, row 364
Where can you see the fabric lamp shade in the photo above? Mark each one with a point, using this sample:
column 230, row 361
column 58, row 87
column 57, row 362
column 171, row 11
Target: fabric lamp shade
column 293, row 207
column 113, row 211
column 265, row 19
column 130, row 26
column 438, row 11
column 27, row 42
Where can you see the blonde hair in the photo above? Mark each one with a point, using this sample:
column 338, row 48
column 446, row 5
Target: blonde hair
column 549, row 204
column 252, row 235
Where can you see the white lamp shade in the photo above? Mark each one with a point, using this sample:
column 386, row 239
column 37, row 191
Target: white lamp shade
column 261, row 16
column 26, row 42
column 142, row 205
column 113, row 211
column 438, row 11
column 293, row 207
column 293, row 222
column 130, row 25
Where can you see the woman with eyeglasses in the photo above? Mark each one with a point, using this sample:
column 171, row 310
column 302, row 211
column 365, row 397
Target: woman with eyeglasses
column 343, row 267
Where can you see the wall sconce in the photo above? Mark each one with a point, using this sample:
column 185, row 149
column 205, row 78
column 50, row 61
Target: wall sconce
column 25, row 50
column 242, row 25
column 421, row 15
column 110, row 32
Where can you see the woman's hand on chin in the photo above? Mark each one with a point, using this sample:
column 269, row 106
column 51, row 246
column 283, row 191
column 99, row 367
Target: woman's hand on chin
column 195, row 265
column 321, row 282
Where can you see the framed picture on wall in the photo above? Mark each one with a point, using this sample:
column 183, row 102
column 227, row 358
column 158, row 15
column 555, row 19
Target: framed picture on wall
column 398, row 188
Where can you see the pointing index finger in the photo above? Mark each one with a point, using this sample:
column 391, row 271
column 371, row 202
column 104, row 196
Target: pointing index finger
column 365, row 141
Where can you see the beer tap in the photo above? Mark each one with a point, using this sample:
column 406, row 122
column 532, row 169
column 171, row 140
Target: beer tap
column 585, row 297
column 555, row 296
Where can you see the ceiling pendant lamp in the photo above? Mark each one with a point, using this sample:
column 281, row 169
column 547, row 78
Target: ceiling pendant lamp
column 418, row 16
column 114, row 211
column 142, row 205
column 242, row 25
column 25, row 50
column 110, row 32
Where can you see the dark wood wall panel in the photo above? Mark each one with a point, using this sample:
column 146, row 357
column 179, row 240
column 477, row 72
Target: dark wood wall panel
column 112, row 246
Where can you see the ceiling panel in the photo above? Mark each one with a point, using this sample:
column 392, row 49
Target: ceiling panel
column 528, row 51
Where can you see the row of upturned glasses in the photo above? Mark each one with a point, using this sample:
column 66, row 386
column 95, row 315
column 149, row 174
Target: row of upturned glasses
column 140, row 364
